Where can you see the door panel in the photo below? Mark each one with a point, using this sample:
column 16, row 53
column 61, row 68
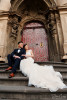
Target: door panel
column 35, row 36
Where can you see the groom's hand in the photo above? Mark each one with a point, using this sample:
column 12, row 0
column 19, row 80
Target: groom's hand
column 23, row 55
column 16, row 57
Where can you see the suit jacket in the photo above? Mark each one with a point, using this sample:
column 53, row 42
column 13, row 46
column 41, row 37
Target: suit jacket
column 21, row 51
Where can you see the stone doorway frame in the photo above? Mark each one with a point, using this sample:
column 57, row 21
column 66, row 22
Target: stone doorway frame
column 52, row 37
column 52, row 55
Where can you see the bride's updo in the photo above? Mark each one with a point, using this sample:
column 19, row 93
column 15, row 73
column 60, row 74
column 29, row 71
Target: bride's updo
column 25, row 46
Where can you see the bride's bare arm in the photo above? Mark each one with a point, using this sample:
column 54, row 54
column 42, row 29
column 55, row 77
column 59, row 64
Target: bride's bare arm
column 32, row 55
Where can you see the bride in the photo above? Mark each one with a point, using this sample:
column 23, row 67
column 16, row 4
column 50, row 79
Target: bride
column 40, row 76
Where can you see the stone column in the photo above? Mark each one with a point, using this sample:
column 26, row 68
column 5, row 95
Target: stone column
column 3, row 35
column 60, row 34
column 55, row 38
column 63, row 18
column 4, row 8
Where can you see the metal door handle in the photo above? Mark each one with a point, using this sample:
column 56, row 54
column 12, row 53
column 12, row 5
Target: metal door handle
column 37, row 44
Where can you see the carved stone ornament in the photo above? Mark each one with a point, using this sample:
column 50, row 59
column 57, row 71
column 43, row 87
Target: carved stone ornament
column 52, row 24
column 14, row 24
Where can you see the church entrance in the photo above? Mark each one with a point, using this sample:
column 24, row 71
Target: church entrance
column 35, row 36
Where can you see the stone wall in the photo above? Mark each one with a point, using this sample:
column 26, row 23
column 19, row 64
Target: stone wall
column 5, row 5
column 61, row 2
column 4, row 8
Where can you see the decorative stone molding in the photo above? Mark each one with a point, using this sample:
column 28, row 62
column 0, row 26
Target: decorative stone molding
column 17, row 3
column 14, row 24
column 31, row 18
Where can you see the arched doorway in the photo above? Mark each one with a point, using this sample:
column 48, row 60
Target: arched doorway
column 35, row 36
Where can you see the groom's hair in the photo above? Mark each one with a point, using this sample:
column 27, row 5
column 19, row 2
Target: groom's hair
column 20, row 42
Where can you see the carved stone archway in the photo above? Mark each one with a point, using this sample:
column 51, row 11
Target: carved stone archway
column 43, row 13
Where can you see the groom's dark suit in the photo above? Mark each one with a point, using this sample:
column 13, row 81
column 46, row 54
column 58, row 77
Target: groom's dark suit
column 14, row 62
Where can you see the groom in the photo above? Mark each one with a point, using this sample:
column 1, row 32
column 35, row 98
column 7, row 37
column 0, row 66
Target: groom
column 14, row 59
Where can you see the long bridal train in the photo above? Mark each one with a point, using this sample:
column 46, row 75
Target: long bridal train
column 41, row 76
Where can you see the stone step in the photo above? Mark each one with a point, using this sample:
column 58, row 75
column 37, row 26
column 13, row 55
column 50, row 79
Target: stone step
column 8, row 99
column 52, row 62
column 15, row 81
column 55, row 67
column 43, row 63
column 22, row 81
column 61, row 69
column 31, row 93
column 18, row 72
column 6, row 73
column 3, row 63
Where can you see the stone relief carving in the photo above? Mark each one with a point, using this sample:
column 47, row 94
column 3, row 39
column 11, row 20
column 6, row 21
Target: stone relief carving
column 52, row 24
column 14, row 24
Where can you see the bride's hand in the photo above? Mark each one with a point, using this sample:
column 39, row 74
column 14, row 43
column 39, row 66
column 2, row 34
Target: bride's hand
column 23, row 55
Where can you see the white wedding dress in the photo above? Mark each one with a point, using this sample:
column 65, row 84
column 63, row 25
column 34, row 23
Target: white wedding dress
column 41, row 76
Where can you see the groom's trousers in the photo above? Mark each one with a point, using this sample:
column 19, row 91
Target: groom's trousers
column 14, row 63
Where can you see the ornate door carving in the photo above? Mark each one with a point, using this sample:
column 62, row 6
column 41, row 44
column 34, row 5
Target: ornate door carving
column 34, row 35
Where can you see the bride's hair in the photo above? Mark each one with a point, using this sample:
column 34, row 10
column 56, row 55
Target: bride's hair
column 24, row 46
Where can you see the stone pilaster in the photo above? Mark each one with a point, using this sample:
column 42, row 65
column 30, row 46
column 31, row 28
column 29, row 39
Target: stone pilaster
column 3, row 35
column 60, row 34
column 54, row 34
column 63, row 18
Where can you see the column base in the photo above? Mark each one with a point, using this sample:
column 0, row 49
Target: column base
column 64, row 58
column 2, row 60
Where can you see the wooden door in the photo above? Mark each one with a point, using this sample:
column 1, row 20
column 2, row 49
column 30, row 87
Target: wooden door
column 34, row 35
